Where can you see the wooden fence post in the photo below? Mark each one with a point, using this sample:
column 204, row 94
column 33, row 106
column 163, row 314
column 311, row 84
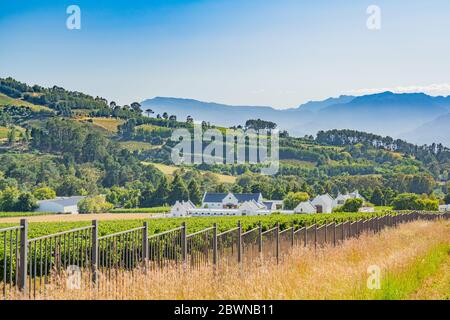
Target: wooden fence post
column 239, row 242
column 315, row 235
column 326, row 231
column 260, row 243
column 293, row 235
column 23, row 256
column 145, row 252
column 94, row 262
column 215, row 244
column 277, row 242
column 183, row 243
column 305, row 236
column 334, row 233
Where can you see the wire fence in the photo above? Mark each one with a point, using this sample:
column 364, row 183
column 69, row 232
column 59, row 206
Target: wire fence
column 80, row 258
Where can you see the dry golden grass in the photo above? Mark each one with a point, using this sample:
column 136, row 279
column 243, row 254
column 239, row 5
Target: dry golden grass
column 328, row 273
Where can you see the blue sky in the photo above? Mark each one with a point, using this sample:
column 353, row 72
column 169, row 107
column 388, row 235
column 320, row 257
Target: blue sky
column 247, row 52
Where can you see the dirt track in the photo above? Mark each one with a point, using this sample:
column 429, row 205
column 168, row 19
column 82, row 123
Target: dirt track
column 83, row 217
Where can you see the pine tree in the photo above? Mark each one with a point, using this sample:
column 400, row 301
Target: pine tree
column 377, row 197
column 195, row 194
column 179, row 190
column 162, row 192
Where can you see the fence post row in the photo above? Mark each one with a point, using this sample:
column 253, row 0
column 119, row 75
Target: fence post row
column 375, row 225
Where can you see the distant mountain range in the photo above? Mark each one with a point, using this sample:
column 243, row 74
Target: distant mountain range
column 416, row 117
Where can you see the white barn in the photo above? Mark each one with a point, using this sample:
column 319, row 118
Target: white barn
column 444, row 208
column 60, row 205
column 323, row 203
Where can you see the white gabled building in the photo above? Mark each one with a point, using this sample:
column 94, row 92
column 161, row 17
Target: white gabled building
column 228, row 200
column 60, row 205
column 305, row 207
column 323, row 203
column 444, row 208
column 341, row 198
column 181, row 209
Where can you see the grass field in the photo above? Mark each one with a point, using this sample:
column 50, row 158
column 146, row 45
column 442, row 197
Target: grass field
column 24, row 214
column 411, row 259
column 5, row 100
column 137, row 145
column 109, row 124
column 4, row 132
column 142, row 210
column 170, row 170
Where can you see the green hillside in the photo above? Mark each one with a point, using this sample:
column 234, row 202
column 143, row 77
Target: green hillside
column 86, row 145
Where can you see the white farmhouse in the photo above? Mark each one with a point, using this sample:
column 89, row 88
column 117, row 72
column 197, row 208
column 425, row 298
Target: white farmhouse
column 181, row 209
column 341, row 198
column 305, row 207
column 444, row 208
column 60, row 205
column 323, row 203
column 228, row 200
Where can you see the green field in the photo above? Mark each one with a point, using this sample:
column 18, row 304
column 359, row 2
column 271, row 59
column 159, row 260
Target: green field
column 142, row 210
column 132, row 145
column 25, row 214
column 5, row 100
column 194, row 224
column 170, row 170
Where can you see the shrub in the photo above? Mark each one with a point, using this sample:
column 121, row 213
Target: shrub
column 292, row 199
column 97, row 204
column 44, row 193
column 26, row 202
column 352, row 205
column 11, row 199
column 411, row 201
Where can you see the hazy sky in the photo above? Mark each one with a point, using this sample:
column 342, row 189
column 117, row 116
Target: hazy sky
column 248, row 52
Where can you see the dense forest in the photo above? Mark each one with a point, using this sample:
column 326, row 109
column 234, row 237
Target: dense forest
column 74, row 144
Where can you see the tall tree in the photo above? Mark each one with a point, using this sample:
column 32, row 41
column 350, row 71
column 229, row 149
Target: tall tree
column 195, row 195
column 377, row 197
column 162, row 192
column 179, row 190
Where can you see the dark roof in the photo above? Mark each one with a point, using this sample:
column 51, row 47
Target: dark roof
column 214, row 197
column 64, row 201
column 242, row 197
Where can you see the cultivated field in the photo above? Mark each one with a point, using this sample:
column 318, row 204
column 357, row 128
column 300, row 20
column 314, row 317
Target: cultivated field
column 411, row 257
column 170, row 170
